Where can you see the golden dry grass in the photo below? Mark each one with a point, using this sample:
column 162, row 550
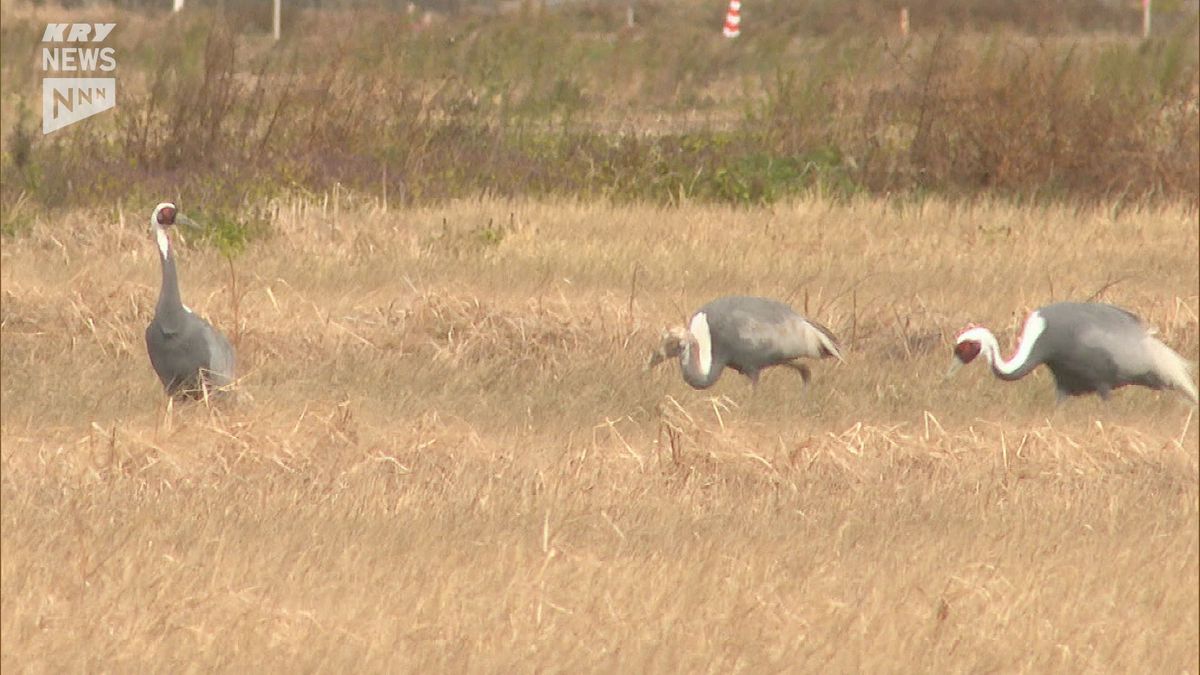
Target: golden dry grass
column 446, row 455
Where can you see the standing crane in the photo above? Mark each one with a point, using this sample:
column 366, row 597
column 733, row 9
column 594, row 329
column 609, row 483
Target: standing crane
column 1088, row 347
column 746, row 334
column 190, row 356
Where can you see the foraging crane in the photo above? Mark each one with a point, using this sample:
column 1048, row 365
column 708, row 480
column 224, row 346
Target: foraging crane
column 1088, row 347
column 190, row 356
column 746, row 334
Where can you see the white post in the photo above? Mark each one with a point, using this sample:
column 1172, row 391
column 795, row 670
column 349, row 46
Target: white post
column 1145, row 19
column 275, row 20
column 904, row 22
column 176, row 5
column 629, row 15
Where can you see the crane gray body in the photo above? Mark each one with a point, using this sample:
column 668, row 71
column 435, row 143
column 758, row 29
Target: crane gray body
column 191, row 358
column 748, row 335
column 1089, row 348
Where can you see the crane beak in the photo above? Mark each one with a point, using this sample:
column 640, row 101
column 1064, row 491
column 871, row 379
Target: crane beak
column 656, row 357
column 955, row 364
column 184, row 220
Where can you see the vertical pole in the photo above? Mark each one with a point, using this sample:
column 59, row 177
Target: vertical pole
column 629, row 14
column 275, row 20
column 176, row 5
column 1145, row 19
column 904, row 22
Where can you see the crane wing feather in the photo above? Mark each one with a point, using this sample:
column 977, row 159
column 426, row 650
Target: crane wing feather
column 221, row 361
column 757, row 332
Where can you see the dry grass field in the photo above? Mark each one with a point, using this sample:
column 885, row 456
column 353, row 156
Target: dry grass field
column 446, row 455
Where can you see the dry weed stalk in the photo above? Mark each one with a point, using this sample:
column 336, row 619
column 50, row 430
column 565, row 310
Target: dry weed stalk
column 432, row 454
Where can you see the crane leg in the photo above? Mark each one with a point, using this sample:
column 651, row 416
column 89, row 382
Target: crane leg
column 805, row 373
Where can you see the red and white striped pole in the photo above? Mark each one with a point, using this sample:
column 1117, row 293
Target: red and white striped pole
column 733, row 19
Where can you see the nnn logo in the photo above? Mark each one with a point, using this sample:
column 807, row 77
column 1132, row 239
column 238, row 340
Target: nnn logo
column 66, row 100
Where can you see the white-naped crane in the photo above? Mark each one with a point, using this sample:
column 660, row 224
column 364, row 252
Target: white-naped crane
column 1088, row 347
column 191, row 358
column 746, row 334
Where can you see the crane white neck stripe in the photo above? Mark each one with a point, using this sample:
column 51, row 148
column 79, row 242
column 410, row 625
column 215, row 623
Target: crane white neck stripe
column 1035, row 325
column 703, row 337
column 164, row 244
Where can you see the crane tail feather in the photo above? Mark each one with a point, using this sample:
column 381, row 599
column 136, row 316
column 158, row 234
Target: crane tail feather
column 1173, row 369
column 829, row 342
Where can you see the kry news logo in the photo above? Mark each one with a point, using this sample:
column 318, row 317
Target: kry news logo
column 66, row 100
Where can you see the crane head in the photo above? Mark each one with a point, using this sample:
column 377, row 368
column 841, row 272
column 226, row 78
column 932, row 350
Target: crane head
column 966, row 347
column 166, row 215
column 670, row 346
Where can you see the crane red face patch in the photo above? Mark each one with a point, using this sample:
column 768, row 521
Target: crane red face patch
column 967, row 350
column 166, row 215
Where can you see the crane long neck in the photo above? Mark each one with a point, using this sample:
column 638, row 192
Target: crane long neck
column 699, row 371
column 170, row 305
column 1018, row 365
